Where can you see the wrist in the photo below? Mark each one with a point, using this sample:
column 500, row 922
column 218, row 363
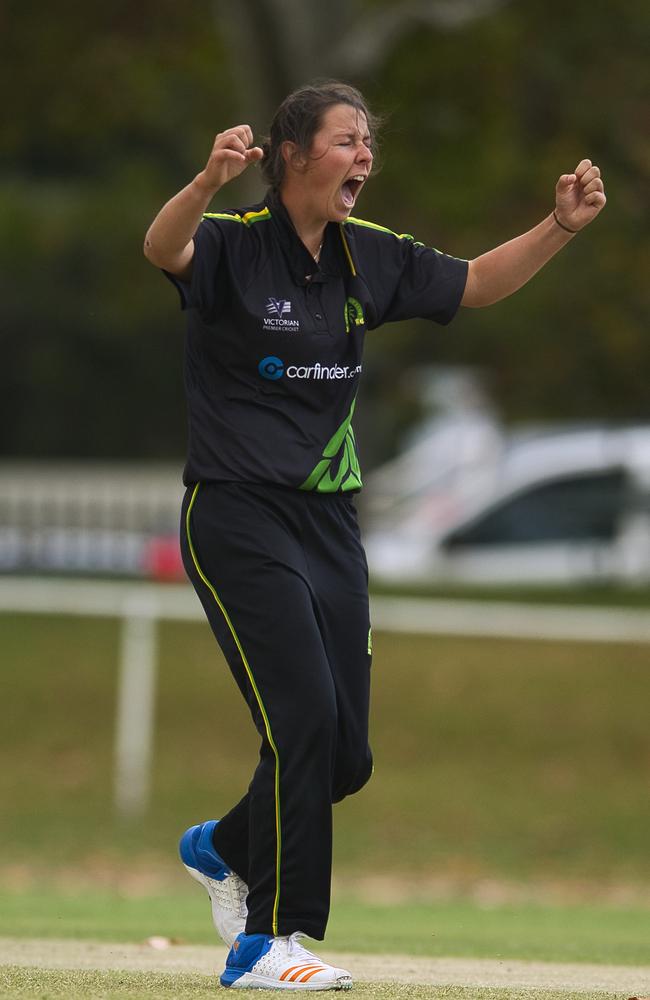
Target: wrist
column 203, row 187
column 563, row 225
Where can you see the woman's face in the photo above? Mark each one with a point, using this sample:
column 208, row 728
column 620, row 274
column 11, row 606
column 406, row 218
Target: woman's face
column 338, row 165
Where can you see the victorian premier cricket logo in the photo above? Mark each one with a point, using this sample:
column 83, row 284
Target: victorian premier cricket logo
column 277, row 310
column 278, row 307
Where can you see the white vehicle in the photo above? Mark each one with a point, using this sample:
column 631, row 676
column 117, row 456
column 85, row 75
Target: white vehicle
column 548, row 506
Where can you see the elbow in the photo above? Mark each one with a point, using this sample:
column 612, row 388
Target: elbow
column 155, row 257
column 178, row 264
column 149, row 251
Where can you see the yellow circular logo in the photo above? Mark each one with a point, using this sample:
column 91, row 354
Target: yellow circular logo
column 353, row 314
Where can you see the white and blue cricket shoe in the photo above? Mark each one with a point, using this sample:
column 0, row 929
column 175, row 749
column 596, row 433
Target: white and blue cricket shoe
column 261, row 962
column 227, row 891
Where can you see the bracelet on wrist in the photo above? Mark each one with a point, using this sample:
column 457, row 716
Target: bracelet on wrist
column 562, row 226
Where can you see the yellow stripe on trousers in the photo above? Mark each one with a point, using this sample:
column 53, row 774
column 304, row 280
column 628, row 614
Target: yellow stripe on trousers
column 267, row 725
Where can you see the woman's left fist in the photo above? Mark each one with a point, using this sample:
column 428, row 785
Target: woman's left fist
column 580, row 196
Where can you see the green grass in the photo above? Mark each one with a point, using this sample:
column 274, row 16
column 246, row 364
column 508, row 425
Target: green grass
column 594, row 934
column 600, row 594
column 29, row 984
column 503, row 759
column 520, row 762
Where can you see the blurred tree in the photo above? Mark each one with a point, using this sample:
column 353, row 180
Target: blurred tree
column 109, row 110
column 290, row 41
column 112, row 109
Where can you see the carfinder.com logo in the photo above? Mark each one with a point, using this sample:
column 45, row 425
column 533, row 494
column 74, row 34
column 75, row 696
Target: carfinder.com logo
column 271, row 368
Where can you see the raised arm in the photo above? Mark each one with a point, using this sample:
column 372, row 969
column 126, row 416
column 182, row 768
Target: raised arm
column 169, row 241
column 579, row 197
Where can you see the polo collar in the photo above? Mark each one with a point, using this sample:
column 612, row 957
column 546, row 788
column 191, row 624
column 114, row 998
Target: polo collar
column 303, row 267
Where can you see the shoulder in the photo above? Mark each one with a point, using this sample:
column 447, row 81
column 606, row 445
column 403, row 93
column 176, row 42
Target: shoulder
column 237, row 222
column 235, row 233
column 364, row 230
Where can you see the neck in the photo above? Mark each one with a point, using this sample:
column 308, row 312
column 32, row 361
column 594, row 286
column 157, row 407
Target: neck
column 309, row 227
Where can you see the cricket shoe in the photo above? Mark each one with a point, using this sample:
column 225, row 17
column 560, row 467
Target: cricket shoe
column 227, row 891
column 261, row 962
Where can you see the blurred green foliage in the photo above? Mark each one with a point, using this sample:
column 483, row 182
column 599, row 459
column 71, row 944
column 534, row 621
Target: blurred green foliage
column 112, row 108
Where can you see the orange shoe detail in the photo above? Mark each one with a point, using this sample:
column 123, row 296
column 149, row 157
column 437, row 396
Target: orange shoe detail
column 308, row 975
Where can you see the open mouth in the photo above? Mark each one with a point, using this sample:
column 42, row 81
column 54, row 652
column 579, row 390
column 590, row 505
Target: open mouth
column 350, row 189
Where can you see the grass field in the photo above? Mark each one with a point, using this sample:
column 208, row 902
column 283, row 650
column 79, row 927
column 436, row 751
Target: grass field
column 54, row 950
column 601, row 594
column 502, row 759
column 49, row 948
column 21, row 984
column 511, row 777
column 595, row 934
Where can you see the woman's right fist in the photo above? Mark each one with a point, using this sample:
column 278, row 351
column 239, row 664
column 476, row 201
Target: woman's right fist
column 232, row 152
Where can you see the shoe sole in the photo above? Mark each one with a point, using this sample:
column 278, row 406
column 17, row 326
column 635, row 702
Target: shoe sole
column 251, row 981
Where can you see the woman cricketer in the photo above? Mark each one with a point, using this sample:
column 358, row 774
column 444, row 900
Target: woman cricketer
column 278, row 297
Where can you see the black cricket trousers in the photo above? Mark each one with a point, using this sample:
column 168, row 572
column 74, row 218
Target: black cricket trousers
column 283, row 579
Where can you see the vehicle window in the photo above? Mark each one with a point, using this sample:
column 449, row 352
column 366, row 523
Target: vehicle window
column 569, row 509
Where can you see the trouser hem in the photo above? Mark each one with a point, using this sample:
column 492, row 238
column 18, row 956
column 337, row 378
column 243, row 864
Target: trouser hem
column 287, row 927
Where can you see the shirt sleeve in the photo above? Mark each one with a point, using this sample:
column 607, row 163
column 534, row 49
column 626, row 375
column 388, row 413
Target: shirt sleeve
column 201, row 292
column 416, row 281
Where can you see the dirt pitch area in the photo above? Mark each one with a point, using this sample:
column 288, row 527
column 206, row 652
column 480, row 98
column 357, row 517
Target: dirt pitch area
column 495, row 973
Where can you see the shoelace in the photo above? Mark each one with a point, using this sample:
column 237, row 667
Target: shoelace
column 231, row 892
column 239, row 890
column 297, row 950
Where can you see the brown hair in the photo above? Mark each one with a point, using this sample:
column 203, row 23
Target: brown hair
column 300, row 116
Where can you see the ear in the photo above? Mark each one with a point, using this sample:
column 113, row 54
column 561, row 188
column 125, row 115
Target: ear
column 292, row 156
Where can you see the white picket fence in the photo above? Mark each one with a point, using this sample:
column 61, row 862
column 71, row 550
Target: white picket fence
column 139, row 606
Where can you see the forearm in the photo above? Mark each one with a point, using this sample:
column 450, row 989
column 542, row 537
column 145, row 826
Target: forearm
column 169, row 238
column 500, row 272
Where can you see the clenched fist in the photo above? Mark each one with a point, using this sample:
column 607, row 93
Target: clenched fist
column 232, row 152
column 580, row 196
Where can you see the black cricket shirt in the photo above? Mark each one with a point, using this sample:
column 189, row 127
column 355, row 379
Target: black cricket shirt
column 274, row 343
